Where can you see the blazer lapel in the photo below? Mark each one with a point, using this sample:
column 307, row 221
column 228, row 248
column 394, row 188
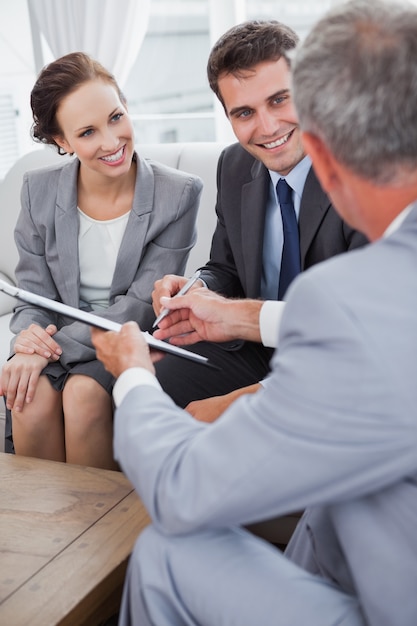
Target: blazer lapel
column 314, row 206
column 66, row 232
column 253, row 202
column 133, row 243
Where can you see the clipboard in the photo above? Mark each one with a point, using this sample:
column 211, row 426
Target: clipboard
column 95, row 320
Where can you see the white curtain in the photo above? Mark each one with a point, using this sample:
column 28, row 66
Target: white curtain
column 111, row 31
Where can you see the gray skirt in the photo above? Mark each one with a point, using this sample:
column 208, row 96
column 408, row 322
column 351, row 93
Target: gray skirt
column 57, row 374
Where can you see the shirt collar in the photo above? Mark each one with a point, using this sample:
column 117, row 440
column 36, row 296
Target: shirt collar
column 397, row 221
column 296, row 178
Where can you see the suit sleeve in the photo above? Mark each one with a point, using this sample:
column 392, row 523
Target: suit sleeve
column 220, row 273
column 306, row 439
column 32, row 272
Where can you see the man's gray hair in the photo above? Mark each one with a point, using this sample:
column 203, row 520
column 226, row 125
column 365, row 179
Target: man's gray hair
column 355, row 86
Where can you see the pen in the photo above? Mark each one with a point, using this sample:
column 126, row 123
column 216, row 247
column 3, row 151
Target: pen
column 181, row 292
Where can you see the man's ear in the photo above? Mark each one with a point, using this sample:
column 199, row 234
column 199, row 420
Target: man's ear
column 325, row 165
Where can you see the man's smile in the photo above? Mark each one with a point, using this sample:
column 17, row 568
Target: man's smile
column 278, row 142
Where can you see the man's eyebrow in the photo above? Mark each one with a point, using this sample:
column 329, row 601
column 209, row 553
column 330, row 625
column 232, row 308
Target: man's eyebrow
column 237, row 110
column 277, row 94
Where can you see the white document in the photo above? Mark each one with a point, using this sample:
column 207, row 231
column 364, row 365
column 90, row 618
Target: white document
column 94, row 320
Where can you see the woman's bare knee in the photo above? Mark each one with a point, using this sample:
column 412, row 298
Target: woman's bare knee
column 88, row 414
column 38, row 429
column 86, row 403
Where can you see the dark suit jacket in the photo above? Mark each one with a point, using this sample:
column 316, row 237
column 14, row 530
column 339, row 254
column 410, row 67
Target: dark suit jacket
column 235, row 264
column 235, row 270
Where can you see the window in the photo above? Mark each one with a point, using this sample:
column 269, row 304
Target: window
column 17, row 74
column 167, row 90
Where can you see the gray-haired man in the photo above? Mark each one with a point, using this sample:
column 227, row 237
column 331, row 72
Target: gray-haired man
column 335, row 429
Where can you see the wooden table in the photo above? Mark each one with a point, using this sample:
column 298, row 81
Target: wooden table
column 66, row 533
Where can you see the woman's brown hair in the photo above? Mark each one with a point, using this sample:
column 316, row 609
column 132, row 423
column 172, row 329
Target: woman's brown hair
column 56, row 81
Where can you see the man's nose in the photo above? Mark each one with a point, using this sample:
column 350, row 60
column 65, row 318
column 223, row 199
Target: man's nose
column 267, row 123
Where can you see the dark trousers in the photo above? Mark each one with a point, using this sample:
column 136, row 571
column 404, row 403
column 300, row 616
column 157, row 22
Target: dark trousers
column 234, row 365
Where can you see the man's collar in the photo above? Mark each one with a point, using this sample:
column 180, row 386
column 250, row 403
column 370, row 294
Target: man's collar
column 296, row 178
column 397, row 221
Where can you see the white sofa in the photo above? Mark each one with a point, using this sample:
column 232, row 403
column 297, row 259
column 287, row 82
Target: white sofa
column 198, row 158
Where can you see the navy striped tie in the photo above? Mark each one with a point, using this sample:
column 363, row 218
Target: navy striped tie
column 290, row 261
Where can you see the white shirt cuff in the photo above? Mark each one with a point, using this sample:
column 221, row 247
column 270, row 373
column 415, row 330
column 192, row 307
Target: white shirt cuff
column 130, row 378
column 270, row 321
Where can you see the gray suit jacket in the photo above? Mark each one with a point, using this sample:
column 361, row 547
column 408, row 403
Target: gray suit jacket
column 334, row 431
column 158, row 238
column 235, row 265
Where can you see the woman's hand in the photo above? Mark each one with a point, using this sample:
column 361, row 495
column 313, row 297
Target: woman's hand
column 36, row 340
column 19, row 378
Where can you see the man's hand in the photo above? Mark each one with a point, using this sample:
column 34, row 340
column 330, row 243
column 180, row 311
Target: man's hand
column 209, row 409
column 167, row 286
column 171, row 286
column 122, row 350
column 37, row 340
column 203, row 315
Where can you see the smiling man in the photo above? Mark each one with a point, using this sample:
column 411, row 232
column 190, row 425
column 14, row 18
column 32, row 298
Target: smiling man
column 249, row 71
column 264, row 122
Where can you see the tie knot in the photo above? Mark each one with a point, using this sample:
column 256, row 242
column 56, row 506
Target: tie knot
column 284, row 192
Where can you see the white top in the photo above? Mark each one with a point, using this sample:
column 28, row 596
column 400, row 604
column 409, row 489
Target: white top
column 98, row 246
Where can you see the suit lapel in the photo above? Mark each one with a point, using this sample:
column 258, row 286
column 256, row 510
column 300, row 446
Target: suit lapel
column 134, row 240
column 314, row 206
column 253, row 202
column 66, row 232
column 67, row 227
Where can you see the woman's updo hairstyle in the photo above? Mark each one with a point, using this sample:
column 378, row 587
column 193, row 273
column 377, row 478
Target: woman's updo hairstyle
column 54, row 83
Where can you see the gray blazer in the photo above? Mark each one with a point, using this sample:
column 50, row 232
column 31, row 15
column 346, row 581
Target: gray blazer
column 334, row 432
column 159, row 236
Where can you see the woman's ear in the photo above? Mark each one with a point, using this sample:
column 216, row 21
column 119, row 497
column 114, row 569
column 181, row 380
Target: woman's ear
column 63, row 144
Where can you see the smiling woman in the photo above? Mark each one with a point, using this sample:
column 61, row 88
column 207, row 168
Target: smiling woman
column 94, row 233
